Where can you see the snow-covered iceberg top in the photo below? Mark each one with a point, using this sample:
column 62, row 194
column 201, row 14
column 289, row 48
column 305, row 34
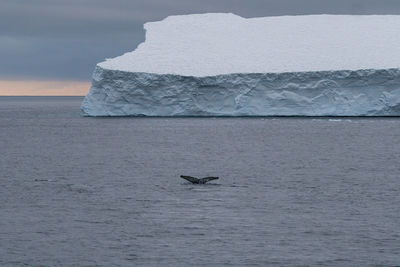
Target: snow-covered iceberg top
column 215, row 44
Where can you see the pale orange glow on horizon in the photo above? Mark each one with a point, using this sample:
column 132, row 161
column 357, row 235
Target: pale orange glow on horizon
column 43, row 88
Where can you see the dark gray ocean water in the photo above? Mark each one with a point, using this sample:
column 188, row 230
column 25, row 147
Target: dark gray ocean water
column 78, row 191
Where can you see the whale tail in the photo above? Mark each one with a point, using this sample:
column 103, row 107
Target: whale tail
column 195, row 180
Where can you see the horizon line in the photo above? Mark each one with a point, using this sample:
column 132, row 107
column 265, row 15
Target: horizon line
column 43, row 88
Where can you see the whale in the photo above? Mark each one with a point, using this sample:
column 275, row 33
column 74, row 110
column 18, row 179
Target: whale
column 195, row 180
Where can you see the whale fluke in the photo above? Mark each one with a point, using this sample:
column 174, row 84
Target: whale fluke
column 195, row 180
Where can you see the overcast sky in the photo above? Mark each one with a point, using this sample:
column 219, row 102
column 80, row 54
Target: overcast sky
column 64, row 39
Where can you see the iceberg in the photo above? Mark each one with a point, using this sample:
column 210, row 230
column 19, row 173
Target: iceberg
column 225, row 65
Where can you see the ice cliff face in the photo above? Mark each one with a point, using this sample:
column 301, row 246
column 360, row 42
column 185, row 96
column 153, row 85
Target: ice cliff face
column 225, row 65
column 336, row 93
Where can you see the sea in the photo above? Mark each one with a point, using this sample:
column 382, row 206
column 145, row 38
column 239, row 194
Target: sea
column 82, row 191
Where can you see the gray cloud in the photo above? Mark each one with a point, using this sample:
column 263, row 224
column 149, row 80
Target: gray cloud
column 64, row 39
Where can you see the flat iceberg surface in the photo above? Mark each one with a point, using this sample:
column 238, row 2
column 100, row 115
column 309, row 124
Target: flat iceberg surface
column 226, row 65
